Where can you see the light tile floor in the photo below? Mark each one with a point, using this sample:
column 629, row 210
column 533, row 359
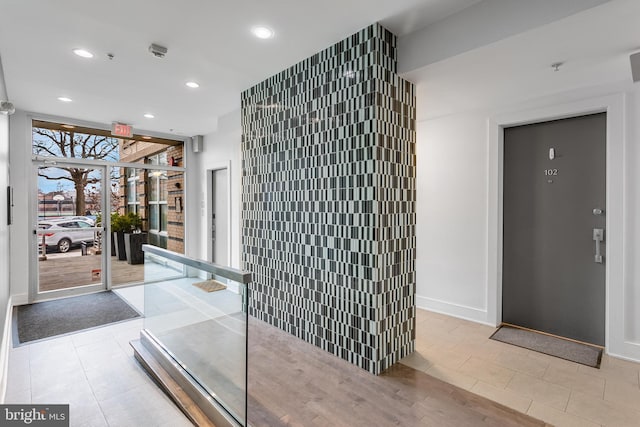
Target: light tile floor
column 559, row 392
column 96, row 373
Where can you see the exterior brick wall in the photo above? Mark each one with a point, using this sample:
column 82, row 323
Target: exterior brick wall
column 140, row 152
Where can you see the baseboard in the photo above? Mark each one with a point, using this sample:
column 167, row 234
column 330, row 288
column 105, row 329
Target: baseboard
column 20, row 299
column 630, row 351
column 5, row 348
column 455, row 310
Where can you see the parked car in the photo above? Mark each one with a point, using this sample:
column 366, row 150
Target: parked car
column 88, row 219
column 63, row 235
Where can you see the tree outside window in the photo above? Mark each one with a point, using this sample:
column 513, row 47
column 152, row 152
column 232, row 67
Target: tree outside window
column 73, row 145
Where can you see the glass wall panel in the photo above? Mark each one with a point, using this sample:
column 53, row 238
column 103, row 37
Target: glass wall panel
column 156, row 197
column 163, row 217
column 198, row 316
column 153, row 186
column 69, row 240
column 153, row 218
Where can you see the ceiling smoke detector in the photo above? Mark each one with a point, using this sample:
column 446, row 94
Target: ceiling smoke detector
column 157, row 50
column 7, row 108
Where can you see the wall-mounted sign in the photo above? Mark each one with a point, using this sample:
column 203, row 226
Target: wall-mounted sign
column 122, row 130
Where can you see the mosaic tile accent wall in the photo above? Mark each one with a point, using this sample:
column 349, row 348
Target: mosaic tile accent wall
column 328, row 194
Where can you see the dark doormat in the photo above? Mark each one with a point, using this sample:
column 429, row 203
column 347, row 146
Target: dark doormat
column 565, row 349
column 62, row 316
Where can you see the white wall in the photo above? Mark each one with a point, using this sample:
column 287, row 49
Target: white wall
column 21, row 238
column 455, row 253
column 4, row 228
column 460, row 101
column 632, row 219
column 5, row 288
column 5, row 338
column 222, row 147
column 480, row 24
column 452, row 215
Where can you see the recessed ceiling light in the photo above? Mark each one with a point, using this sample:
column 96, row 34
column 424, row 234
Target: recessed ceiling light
column 262, row 32
column 68, row 126
column 83, row 53
column 146, row 137
column 149, row 115
column 192, row 85
column 64, row 99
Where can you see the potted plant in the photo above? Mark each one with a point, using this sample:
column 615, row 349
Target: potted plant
column 99, row 224
column 118, row 227
column 134, row 238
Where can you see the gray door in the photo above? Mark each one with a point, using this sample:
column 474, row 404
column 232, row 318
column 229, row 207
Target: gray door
column 554, row 211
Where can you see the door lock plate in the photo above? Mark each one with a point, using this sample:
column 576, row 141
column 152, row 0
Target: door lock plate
column 598, row 236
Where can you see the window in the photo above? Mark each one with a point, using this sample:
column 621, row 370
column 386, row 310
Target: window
column 72, row 224
column 158, row 219
column 57, row 140
column 135, row 186
column 133, row 197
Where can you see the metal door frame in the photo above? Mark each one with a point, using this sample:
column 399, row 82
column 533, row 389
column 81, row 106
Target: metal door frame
column 209, row 210
column 32, row 184
column 105, row 262
column 614, row 276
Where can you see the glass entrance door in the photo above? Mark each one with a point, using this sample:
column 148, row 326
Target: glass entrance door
column 70, row 229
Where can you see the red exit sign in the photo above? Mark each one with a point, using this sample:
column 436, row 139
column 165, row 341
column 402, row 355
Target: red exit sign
column 121, row 129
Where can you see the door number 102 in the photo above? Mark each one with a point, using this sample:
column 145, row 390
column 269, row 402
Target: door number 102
column 551, row 172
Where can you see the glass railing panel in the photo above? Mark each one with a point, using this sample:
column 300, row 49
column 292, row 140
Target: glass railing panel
column 158, row 268
column 199, row 318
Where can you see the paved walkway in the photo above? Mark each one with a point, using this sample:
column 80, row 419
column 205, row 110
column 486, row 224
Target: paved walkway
column 69, row 270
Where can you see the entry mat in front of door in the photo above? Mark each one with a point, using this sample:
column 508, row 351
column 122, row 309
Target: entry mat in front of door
column 52, row 318
column 565, row 349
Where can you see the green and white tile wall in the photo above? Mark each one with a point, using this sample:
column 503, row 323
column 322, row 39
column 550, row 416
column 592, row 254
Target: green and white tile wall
column 328, row 196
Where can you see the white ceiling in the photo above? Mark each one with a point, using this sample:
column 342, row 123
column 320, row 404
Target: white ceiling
column 208, row 40
column 594, row 46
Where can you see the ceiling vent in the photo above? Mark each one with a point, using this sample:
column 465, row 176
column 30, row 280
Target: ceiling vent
column 635, row 66
column 157, row 50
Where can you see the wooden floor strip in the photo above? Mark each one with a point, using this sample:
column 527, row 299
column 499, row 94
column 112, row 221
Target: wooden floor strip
column 292, row 382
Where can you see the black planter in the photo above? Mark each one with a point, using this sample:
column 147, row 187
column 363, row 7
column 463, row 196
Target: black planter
column 118, row 239
column 133, row 246
column 113, row 245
